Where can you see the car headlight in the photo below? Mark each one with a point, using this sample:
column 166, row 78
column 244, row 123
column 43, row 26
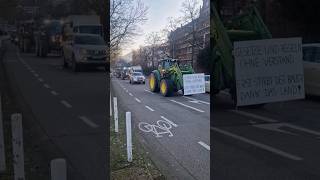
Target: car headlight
column 82, row 52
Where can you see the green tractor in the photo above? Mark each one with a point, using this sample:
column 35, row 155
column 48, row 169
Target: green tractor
column 248, row 26
column 168, row 78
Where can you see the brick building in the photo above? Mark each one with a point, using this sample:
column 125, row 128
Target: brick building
column 181, row 40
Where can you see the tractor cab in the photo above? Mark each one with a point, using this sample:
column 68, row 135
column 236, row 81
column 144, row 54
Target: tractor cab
column 166, row 63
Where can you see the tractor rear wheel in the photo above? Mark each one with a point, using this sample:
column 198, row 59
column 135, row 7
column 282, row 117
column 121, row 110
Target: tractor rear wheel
column 166, row 87
column 153, row 83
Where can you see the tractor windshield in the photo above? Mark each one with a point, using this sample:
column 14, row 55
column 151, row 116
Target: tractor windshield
column 167, row 64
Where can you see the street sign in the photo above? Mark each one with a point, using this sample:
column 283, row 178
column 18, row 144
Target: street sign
column 193, row 84
column 268, row 70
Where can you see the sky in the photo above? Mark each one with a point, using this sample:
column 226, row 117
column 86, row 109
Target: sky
column 158, row 13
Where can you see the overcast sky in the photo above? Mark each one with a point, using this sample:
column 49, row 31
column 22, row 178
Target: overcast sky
column 158, row 13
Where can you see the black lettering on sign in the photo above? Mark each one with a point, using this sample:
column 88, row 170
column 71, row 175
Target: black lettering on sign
column 294, row 79
column 270, row 92
column 290, row 48
column 279, row 60
column 251, row 94
column 292, row 90
column 249, row 62
column 263, row 82
column 280, row 80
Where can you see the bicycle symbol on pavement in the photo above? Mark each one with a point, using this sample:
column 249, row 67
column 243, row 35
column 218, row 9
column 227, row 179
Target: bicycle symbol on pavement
column 161, row 127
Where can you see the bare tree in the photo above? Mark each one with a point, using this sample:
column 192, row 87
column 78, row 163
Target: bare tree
column 154, row 41
column 125, row 18
column 172, row 25
column 191, row 10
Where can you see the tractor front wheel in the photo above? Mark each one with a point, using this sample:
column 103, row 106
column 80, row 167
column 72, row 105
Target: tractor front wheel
column 153, row 83
column 166, row 87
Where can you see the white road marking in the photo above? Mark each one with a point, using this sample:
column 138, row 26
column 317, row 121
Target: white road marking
column 65, row 103
column 172, row 123
column 204, row 145
column 54, row 93
column 274, row 127
column 148, row 91
column 36, row 75
column 275, row 121
column 149, row 108
column 130, row 94
column 196, row 109
column 127, row 91
column 196, row 102
column 138, row 100
column 193, row 99
column 253, row 116
column 40, row 79
column 88, row 122
column 260, row 145
column 46, row 86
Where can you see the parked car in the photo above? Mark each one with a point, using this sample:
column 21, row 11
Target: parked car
column 86, row 50
column 137, row 77
column 207, row 83
column 311, row 65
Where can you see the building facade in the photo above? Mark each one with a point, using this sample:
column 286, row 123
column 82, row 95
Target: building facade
column 185, row 43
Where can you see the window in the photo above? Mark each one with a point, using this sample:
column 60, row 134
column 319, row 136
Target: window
column 311, row 54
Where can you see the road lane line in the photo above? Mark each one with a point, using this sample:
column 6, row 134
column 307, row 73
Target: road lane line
column 260, row 145
column 36, row 75
column 204, row 145
column 302, row 129
column 130, row 94
column 172, row 123
column 253, row 116
column 196, row 109
column 274, row 121
column 138, row 100
column 54, row 93
column 88, row 122
column 204, row 102
column 46, row 86
column 40, row 79
column 66, row 104
column 149, row 108
column 148, row 91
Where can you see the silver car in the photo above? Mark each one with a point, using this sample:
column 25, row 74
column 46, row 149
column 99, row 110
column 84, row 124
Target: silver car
column 137, row 77
column 84, row 50
column 311, row 64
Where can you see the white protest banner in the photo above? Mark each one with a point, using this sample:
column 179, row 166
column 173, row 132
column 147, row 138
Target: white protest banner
column 193, row 83
column 268, row 70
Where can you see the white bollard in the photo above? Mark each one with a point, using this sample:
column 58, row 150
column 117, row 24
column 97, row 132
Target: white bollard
column 129, row 136
column 2, row 148
column 17, row 146
column 58, row 169
column 110, row 106
column 115, row 108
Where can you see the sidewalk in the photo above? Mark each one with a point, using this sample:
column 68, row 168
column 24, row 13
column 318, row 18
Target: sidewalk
column 141, row 167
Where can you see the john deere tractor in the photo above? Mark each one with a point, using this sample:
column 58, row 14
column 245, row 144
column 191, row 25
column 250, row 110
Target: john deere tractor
column 168, row 78
column 247, row 26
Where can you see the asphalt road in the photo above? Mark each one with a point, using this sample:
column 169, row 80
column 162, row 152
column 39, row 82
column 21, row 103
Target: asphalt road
column 280, row 141
column 70, row 107
column 174, row 130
